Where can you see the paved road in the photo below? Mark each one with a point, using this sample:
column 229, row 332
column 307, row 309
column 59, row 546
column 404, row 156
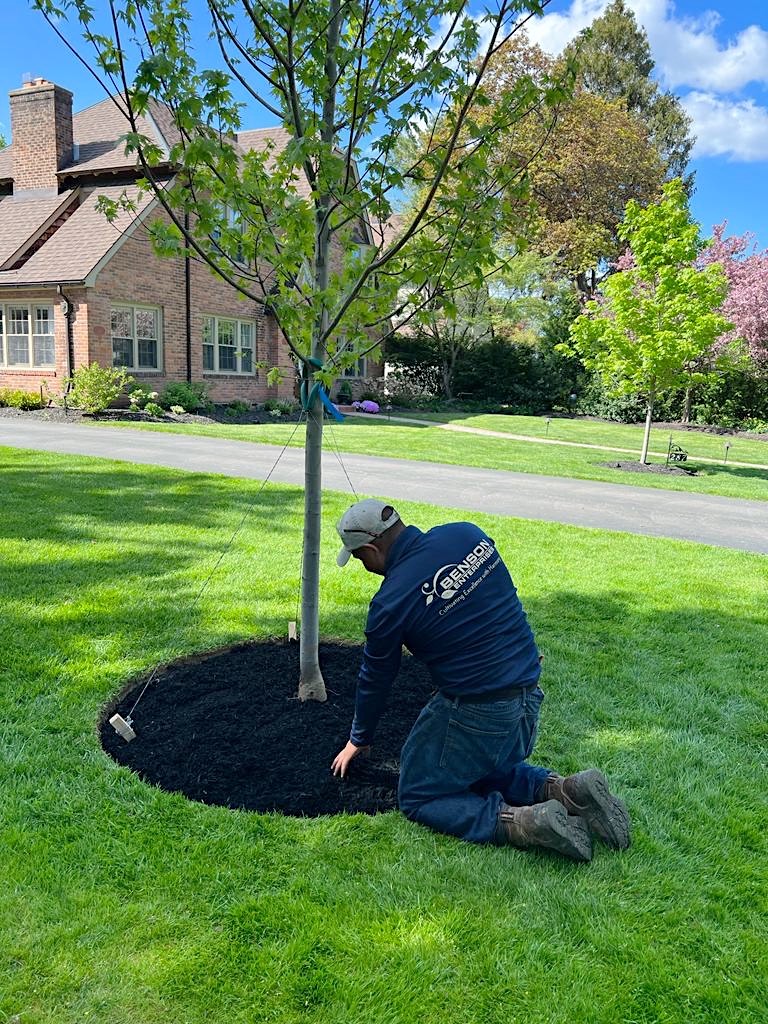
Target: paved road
column 725, row 522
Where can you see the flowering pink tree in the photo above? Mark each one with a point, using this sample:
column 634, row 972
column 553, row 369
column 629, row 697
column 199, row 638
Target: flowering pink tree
column 746, row 305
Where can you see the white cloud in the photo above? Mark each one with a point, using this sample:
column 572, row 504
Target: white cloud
column 686, row 50
column 738, row 130
column 689, row 55
column 553, row 32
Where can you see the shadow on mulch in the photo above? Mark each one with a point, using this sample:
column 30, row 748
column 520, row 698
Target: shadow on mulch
column 226, row 728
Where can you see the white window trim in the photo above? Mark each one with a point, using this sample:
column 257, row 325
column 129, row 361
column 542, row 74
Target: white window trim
column 351, row 372
column 239, row 372
column 30, row 307
column 150, row 371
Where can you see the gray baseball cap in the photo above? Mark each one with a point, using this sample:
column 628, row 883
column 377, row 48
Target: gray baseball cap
column 361, row 524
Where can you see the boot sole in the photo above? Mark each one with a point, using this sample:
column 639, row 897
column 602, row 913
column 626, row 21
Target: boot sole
column 570, row 835
column 606, row 815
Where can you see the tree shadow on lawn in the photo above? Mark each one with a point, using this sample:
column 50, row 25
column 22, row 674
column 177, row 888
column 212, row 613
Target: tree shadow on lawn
column 166, row 499
column 739, row 472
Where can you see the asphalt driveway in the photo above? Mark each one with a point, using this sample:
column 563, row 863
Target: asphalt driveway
column 707, row 519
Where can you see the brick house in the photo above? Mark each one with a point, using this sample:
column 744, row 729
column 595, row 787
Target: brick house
column 75, row 288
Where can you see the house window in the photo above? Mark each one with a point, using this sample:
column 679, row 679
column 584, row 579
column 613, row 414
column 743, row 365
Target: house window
column 136, row 337
column 229, row 346
column 233, row 222
column 357, row 369
column 26, row 336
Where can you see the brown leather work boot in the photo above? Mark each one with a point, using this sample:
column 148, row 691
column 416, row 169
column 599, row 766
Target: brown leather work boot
column 546, row 825
column 587, row 795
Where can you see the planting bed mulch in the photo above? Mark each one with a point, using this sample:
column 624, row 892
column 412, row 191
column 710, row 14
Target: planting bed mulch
column 227, row 728
column 650, row 467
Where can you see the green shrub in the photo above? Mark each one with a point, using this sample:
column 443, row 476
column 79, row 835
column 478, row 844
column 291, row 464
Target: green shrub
column 237, row 408
column 344, row 393
column 192, row 396
column 154, row 409
column 279, row 405
column 20, row 399
column 755, row 426
column 95, row 388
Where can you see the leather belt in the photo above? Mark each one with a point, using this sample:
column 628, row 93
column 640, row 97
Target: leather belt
column 486, row 698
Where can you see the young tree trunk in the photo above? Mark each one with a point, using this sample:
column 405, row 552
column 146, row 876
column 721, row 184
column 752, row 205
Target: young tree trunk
column 647, row 432
column 311, row 684
column 687, row 406
column 445, row 372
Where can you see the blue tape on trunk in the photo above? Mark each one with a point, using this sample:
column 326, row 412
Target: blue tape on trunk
column 324, row 398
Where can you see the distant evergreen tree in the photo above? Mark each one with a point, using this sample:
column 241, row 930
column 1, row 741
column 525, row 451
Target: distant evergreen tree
column 615, row 62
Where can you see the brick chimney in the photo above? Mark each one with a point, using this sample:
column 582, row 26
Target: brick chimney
column 41, row 134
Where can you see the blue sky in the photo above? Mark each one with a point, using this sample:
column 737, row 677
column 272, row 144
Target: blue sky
column 714, row 56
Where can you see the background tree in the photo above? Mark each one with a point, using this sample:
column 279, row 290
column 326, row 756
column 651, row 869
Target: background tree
column 746, row 304
column 586, row 158
column 660, row 312
column 613, row 61
column 347, row 81
column 508, row 308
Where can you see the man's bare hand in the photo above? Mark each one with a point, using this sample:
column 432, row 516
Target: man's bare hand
column 340, row 763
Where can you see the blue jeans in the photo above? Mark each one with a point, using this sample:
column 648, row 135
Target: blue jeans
column 461, row 760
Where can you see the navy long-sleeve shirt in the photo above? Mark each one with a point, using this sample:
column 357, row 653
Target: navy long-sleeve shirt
column 448, row 597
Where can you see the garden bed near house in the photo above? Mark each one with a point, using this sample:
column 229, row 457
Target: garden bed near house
column 57, row 414
column 227, row 728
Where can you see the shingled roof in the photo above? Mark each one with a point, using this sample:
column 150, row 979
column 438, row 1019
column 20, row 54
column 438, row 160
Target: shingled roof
column 258, row 139
column 24, row 219
column 98, row 132
column 86, row 238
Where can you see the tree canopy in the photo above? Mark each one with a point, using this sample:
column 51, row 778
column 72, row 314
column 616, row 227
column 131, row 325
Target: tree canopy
column 300, row 229
column 613, row 60
column 660, row 312
column 586, row 157
column 746, row 304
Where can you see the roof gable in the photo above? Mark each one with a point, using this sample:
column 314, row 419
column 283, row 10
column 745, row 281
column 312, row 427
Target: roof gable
column 24, row 218
column 83, row 243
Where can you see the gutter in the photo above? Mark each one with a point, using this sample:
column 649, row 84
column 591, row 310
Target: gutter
column 69, row 312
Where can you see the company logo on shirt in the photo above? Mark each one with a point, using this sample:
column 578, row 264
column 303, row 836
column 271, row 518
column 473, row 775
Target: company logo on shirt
column 449, row 579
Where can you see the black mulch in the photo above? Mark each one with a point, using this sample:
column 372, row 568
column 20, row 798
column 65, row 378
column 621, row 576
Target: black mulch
column 650, row 467
column 226, row 728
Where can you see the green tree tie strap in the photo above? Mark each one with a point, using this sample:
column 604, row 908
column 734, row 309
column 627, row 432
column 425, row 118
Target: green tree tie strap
column 317, row 391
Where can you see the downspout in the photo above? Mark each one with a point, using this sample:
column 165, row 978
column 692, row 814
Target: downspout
column 188, row 302
column 69, row 312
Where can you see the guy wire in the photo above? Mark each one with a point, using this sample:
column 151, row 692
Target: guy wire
column 337, row 452
column 223, row 554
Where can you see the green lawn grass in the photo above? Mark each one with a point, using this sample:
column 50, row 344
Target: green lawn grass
column 377, row 436
column 698, row 443
column 122, row 904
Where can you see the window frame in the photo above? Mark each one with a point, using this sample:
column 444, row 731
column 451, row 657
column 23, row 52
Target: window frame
column 31, row 309
column 351, row 372
column 214, row 343
column 134, row 367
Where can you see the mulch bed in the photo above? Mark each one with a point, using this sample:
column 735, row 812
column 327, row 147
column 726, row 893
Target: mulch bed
column 649, row 467
column 56, row 414
column 227, row 728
